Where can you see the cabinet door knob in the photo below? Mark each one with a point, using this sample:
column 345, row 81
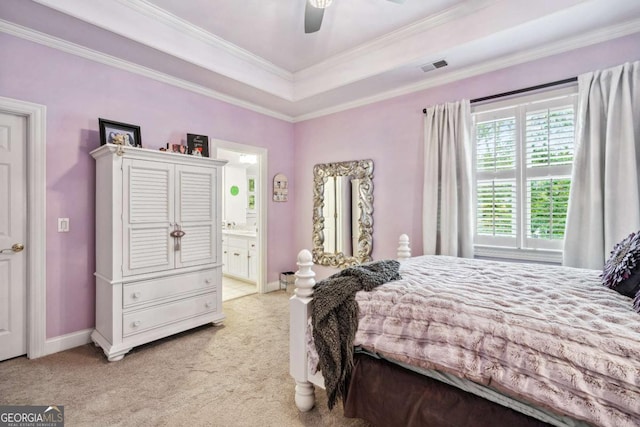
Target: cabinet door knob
column 136, row 323
column 136, row 295
column 177, row 233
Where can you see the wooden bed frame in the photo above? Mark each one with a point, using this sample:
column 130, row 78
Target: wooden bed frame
column 299, row 312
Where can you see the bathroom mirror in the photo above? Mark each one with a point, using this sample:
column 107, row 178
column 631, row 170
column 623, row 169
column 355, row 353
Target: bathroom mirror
column 343, row 213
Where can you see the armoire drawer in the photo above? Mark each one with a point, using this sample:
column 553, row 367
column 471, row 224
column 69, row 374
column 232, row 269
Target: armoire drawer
column 165, row 314
column 166, row 287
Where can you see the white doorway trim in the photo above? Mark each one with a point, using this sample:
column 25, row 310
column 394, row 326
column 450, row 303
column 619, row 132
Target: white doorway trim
column 263, row 185
column 36, row 221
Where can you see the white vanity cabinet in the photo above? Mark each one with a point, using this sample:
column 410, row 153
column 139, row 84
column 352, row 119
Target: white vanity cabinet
column 158, row 246
column 240, row 254
column 237, row 254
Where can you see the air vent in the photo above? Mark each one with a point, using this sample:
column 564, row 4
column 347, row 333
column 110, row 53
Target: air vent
column 430, row 67
column 440, row 64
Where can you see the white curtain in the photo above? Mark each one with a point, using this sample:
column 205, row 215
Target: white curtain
column 447, row 211
column 604, row 203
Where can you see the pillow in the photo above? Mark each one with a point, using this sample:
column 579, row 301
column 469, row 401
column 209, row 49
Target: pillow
column 636, row 302
column 622, row 270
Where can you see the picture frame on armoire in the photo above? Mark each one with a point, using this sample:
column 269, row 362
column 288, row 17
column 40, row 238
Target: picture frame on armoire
column 119, row 133
column 198, row 143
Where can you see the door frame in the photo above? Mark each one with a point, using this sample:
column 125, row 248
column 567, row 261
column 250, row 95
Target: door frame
column 36, row 115
column 263, row 185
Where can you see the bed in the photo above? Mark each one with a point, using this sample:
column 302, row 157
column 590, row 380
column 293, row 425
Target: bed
column 549, row 343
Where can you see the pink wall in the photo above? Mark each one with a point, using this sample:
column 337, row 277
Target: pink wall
column 391, row 132
column 76, row 92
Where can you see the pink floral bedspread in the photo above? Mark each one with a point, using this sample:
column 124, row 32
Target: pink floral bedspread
column 552, row 336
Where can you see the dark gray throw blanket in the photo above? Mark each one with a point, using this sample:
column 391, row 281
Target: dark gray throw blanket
column 334, row 315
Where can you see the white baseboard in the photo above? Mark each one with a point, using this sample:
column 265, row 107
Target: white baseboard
column 65, row 342
column 273, row 286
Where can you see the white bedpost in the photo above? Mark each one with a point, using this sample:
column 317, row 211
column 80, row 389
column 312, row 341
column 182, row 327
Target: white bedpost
column 404, row 251
column 299, row 312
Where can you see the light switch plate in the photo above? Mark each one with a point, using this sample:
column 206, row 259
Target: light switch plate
column 63, row 225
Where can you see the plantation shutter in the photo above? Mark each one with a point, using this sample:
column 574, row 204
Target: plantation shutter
column 496, row 195
column 524, row 152
column 496, row 208
column 549, row 136
column 548, row 148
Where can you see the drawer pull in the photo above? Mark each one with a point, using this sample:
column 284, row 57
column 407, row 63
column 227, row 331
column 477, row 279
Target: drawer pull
column 136, row 323
column 236, row 254
column 207, row 281
column 208, row 304
column 135, row 295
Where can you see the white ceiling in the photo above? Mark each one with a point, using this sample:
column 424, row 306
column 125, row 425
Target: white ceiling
column 254, row 53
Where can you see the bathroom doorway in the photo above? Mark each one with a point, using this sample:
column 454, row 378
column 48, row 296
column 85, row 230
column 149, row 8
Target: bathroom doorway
column 244, row 216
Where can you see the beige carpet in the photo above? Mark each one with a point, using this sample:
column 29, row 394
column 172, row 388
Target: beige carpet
column 232, row 375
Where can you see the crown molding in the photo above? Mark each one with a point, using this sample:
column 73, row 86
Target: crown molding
column 84, row 52
column 593, row 37
column 572, row 43
column 179, row 24
column 170, row 35
column 395, row 37
column 451, row 28
column 253, row 69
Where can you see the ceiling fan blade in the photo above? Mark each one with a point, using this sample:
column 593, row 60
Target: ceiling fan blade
column 397, row 1
column 312, row 18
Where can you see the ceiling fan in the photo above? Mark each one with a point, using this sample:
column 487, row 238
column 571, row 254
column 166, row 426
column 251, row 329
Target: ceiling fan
column 314, row 11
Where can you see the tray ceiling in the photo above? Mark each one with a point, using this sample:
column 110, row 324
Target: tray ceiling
column 254, row 53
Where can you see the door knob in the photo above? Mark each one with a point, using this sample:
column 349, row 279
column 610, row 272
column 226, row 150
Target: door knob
column 18, row 247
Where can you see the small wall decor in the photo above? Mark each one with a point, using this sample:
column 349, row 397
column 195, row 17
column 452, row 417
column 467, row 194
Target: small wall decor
column 251, row 194
column 280, row 188
column 198, row 144
column 119, row 133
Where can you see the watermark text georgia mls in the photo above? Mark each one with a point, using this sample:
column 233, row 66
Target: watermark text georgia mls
column 32, row 416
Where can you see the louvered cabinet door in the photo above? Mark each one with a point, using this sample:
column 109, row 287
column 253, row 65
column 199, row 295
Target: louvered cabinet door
column 147, row 217
column 196, row 213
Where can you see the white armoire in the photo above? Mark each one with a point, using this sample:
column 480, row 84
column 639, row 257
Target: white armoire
column 158, row 245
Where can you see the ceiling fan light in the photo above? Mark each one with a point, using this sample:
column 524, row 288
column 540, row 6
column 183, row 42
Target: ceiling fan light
column 320, row 4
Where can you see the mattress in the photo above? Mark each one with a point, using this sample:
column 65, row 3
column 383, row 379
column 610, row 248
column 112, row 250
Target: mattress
column 551, row 337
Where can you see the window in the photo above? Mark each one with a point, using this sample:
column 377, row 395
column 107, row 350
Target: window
column 523, row 157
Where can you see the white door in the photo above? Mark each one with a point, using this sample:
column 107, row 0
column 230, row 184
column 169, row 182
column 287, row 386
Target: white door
column 196, row 215
column 148, row 215
column 13, row 232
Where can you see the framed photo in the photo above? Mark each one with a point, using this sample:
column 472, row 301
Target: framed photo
column 198, row 143
column 251, row 194
column 119, row 133
column 179, row 148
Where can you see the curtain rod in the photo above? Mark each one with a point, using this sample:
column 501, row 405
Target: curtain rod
column 515, row 92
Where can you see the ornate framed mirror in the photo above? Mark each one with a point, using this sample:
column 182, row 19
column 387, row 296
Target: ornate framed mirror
column 343, row 213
